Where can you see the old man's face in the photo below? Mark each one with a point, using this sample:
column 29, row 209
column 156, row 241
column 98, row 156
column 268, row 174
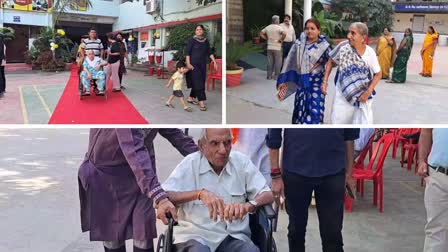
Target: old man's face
column 217, row 146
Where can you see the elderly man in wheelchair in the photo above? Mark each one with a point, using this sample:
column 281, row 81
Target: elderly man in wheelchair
column 92, row 70
column 216, row 190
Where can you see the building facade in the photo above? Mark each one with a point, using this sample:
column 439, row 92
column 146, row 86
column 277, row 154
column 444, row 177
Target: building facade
column 419, row 15
column 141, row 18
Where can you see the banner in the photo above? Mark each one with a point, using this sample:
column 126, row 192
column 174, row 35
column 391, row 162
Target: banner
column 23, row 5
column 424, row 7
column 82, row 5
column 28, row 5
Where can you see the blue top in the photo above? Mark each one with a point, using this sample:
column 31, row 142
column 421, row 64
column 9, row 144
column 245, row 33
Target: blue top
column 439, row 151
column 312, row 152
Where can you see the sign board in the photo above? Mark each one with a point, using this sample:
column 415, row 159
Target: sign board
column 16, row 19
column 143, row 36
column 436, row 7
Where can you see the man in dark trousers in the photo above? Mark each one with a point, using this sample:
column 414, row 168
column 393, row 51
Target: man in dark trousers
column 319, row 160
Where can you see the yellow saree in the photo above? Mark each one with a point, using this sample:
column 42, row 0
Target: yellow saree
column 428, row 53
column 385, row 51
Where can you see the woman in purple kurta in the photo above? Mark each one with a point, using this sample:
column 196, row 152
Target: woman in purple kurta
column 118, row 185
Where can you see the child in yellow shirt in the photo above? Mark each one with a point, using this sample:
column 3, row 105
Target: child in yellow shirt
column 178, row 79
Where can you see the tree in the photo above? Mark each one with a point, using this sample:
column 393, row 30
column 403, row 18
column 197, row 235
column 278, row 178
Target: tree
column 379, row 13
column 178, row 38
column 8, row 33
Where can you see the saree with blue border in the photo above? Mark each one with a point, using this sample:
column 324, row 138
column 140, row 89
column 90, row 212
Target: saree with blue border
column 353, row 75
column 303, row 72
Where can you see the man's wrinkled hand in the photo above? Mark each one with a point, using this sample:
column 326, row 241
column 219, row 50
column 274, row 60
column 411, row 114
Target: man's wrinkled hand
column 236, row 211
column 214, row 203
column 166, row 207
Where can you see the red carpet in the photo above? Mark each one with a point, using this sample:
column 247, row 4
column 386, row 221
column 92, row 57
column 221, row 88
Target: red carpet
column 93, row 109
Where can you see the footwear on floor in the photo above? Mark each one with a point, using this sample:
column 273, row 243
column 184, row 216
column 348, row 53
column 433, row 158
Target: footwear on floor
column 193, row 102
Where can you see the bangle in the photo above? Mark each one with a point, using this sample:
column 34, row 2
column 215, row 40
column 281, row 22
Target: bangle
column 198, row 197
column 276, row 172
column 274, row 176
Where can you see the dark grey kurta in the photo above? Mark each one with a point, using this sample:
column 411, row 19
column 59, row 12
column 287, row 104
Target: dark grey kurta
column 118, row 182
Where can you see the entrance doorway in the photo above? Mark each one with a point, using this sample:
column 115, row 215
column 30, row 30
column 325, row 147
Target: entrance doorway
column 17, row 47
column 418, row 23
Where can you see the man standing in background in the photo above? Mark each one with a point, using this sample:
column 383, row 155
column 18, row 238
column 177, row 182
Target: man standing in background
column 274, row 35
column 290, row 35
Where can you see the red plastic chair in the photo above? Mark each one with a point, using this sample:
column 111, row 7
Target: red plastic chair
column 398, row 138
column 376, row 175
column 412, row 149
column 214, row 75
column 359, row 164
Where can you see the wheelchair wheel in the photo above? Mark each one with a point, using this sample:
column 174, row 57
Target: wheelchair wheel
column 161, row 243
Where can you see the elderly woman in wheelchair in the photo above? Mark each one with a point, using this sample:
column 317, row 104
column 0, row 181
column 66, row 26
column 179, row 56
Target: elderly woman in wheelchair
column 215, row 190
column 92, row 70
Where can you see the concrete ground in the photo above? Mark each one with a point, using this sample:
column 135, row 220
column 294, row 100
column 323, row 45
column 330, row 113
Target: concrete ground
column 32, row 96
column 39, row 206
column 418, row 101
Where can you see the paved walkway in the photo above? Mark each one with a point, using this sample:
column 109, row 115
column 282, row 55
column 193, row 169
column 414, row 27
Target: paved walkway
column 419, row 100
column 32, row 97
column 39, row 205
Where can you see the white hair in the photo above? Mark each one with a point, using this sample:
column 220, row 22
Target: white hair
column 275, row 19
column 203, row 135
column 87, row 52
column 361, row 27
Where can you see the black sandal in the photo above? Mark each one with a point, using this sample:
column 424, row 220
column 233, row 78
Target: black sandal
column 193, row 102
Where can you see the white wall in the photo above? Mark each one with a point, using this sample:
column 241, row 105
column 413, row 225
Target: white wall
column 102, row 8
column 418, row 38
column 26, row 17
column 133, row 15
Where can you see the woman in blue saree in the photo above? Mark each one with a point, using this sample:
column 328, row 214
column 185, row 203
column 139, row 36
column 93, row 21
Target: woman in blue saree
column 303, row 72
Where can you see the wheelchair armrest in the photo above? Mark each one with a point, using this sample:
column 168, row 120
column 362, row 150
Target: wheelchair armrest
column 267, row 211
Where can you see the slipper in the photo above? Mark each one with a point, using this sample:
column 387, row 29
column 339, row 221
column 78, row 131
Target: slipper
column 188, row 109
column 169, row 105
column 193, row 102
column 203, row 108
column 389, row 81
column 116, row 90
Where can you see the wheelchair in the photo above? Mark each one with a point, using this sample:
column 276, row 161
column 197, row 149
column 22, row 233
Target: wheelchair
column 261, row 225
column 93, row 86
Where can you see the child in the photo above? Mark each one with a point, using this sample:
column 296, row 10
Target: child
column 178, row 79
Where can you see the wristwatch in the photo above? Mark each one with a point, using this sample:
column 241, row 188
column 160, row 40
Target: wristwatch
column 254, row 203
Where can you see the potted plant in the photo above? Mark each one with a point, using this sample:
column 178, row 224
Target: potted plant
column 235, row 51
column 54, row 43
column 255, row 32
